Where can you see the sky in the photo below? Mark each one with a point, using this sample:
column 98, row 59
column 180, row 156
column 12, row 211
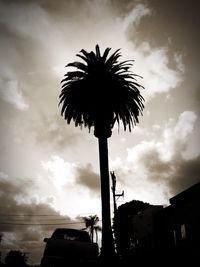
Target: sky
column 49, row 170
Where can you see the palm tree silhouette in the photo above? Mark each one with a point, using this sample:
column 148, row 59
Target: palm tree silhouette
column 91, row 224
column 100, row 92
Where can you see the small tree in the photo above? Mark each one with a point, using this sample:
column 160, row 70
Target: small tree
column 16, row 258
column 122, row 224
column 91, row 224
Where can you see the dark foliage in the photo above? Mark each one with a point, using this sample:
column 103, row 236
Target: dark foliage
column 122, row 224
column 16, row 258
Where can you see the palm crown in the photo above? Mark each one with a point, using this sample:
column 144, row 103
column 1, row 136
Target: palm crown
column 100, row 91
column 91, row 224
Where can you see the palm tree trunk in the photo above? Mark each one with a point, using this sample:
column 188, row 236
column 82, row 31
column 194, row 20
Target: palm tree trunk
column 92, row 233
column 96, row 232
column 107, row 250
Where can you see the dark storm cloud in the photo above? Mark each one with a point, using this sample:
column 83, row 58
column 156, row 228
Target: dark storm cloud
column 63, row 9
column 175, row 26
column 12, row 194
column 88, row 178
column 155, row 166
column 187, row 174
column 177, row 173
column 178, row 19
column 17, row 219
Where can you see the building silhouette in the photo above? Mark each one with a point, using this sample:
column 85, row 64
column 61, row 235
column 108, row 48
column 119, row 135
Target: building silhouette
column 175, row 228
column 144, row 232
column 178, row 225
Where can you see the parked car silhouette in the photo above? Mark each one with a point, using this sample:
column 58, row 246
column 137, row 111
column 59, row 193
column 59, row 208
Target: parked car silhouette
column 68, row 246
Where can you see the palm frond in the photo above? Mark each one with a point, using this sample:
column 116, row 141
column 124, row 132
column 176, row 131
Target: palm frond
column 82, row 57
column 105, row 54
column 78, row 65
column 98, row 54
column 113, row 58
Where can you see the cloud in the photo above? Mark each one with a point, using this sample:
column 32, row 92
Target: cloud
column 134, row 17
column 185, row 125
column 66, row 182
column 11, row 93
column 21, row 16
column 186, row 174
column 161, row 164
column 88, row 178
column 61, row 172
column 52, row 132
column 174, row 139
column 24, row 225
column 155, row 68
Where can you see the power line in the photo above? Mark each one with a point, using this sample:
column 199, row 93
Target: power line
column 31, row 224
column 63, row 217
column 22, row 219
column 38, row 215
column 30, row 215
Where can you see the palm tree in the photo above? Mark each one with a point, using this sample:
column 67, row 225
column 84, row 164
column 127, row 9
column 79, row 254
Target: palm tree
column 100, row 92
column 91, row 224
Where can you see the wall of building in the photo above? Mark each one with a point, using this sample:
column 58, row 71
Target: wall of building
column 174, row 227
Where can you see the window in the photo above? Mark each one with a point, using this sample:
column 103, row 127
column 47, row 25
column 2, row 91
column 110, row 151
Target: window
column 183, row 231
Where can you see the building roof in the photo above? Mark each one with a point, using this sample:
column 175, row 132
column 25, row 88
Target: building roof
column 192, row 193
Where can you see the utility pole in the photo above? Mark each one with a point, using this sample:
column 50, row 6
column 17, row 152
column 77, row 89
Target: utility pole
column 0, row 251
column 115, row 196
